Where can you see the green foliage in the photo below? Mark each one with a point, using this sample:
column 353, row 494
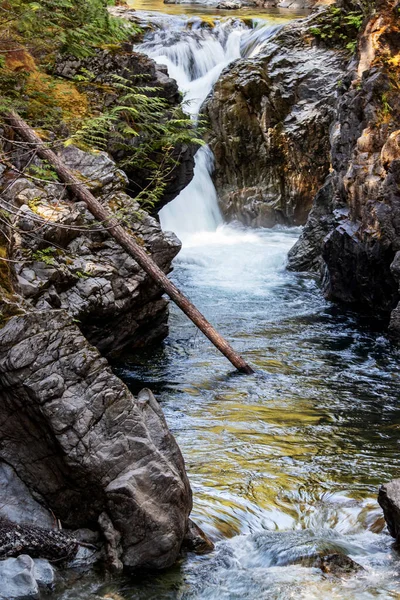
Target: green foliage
column 145, row 131
column 69, row 26
column 45, row 256
column 337, row 28
column 44, row 172
column 31, row 36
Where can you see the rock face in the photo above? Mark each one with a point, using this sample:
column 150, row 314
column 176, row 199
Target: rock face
column 73, row 438
column 389, row 499
column 77, row 437
column 353, row 232
column 87, row 273
column 269, row 121
column 17, row 503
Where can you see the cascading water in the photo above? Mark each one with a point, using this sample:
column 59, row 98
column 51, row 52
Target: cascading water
column 195, row 56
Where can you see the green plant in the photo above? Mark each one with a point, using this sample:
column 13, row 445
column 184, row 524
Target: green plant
column 45, row 256
column 44, row 172
column 145, row 131
column 337, row 28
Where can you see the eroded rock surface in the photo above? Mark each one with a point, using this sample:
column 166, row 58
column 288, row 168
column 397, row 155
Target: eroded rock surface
column 269, row 122
column 389, row 499
column 75, row 265
column 353, row 233
column 76, row 436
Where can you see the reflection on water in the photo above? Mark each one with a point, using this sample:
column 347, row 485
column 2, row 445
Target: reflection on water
column 288, row 458
column 208, row 10
column 284, row 464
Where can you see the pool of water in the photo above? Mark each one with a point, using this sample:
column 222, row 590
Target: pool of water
column 285, row 463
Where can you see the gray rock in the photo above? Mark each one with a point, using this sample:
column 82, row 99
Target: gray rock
column 75, row 435
column 21, row 578
column 89, row 275
column 44, row 573
column 17, row 503
column 389, row 499
column 269, row 129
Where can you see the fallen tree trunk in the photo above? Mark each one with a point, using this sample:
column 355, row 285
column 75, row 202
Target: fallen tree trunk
column 36, row 541
column 126, row 241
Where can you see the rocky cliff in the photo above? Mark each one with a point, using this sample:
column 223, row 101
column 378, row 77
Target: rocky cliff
column 269, row 122
column 71, row 431
column 352, row 235
column 71, row 262
column 77, row 447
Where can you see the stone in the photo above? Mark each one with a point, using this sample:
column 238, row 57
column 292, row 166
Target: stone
column 77, row 437
column 389, row 500
column 337, row 565
column 89, row 274
column 44, row 574
column 352, row 236
column 269, row 128
column 21, row 578
column 196, row 540
column 17, row 503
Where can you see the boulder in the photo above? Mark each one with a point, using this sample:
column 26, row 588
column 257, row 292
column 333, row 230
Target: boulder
column 269, row 128
column 22, row 578
column 352, row 237
column 389, row 499
column 77, row 437
column 87, row 273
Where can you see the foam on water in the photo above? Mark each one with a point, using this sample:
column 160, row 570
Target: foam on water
column 195, row 57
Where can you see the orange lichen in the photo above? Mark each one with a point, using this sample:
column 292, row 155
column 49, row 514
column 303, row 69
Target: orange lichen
column 18, row 59
column 48, row 92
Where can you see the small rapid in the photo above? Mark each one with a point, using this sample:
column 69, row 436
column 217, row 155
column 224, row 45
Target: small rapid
column 196, row 55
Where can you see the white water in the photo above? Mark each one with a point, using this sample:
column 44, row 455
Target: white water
column 195, row 58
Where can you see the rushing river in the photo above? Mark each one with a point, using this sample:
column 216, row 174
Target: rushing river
column 285, row 463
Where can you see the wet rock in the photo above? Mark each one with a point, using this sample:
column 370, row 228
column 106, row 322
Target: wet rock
column 77, row 437
column 22, row 578
column 196, row 540
column 269, row 122
column 337, row 565
column 389, row 500
column 353, row 233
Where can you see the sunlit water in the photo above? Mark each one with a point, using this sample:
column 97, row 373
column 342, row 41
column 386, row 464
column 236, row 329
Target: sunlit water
column 286, row 463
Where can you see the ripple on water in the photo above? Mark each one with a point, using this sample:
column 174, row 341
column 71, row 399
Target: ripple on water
column 286, row 460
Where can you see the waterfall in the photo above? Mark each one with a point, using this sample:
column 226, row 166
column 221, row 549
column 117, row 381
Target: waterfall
column 195, row 57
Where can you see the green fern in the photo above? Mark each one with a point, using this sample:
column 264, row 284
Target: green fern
column 146, row 131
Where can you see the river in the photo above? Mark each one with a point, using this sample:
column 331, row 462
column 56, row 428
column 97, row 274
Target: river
column 285, row 463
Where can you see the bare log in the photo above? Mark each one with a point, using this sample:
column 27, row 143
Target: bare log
column 126, row 241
